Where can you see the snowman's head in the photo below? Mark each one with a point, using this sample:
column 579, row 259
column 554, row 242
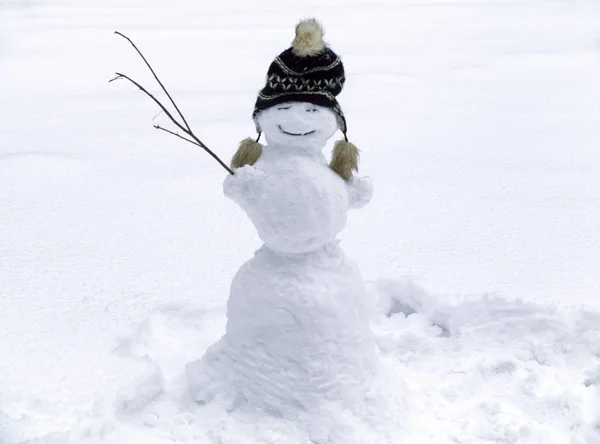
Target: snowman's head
column 298, row 108
column 300, row 125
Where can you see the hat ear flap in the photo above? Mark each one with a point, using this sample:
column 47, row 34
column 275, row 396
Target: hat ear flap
column 344, row 159
column 341, row 122
column 247, row 153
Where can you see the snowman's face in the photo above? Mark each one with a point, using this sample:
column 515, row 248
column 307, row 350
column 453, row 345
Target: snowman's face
column 299, row 124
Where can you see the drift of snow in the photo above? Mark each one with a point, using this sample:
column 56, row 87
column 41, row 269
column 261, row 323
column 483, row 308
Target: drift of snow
column 482, row 370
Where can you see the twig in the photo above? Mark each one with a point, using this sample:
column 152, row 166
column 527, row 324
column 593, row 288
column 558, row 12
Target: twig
column 186, row 129
column 156, row 77
column 166, row 111
column 159, row 113
column 213, row 155
column 158, row 127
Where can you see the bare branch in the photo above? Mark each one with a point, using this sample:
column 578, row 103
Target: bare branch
column 213, row 155
column 154, row 118
column 166, row 111
column 156, row 77
column 186, row 129
column 158, row 127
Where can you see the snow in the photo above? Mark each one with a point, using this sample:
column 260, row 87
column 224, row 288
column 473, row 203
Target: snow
column 496, row 370
column 360, row 191
column 296, row 203
column 305, row 355
column 298, row 348
column 477, row 122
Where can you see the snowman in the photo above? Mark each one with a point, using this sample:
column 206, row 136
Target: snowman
column 298, row 339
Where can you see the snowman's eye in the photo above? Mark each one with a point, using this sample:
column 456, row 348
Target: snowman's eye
column 284, row 107
column 312, row 110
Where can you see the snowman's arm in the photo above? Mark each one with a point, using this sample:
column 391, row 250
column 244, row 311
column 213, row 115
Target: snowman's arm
column 360, row 191
column 244, row 184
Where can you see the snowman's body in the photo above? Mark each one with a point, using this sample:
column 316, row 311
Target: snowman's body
column 298, row 337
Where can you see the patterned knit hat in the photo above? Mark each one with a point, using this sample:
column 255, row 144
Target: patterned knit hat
column 309, row 72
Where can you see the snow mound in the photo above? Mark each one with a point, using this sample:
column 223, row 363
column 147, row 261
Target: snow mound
column 299, row 348
column 478, row 370
column 488, row 370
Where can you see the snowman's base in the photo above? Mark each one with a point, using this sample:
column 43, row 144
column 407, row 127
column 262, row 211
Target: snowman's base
column 376, row 414
column 297, row 336
column 299, row 350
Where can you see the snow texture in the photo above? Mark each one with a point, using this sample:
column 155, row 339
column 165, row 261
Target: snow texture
column 296, row 203
column 481, row 370
column 478, row 122
column 298, row 344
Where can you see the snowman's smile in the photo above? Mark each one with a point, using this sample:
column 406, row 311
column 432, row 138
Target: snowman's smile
column 295, row 134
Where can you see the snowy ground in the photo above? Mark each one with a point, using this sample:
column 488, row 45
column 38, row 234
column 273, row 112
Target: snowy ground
column 477, row 120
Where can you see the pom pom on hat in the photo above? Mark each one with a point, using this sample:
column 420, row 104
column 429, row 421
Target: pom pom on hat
column 309, row 38
column 247, row 153
column 344, row 159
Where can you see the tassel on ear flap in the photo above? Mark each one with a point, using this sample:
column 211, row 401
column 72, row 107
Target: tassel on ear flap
column 344, row 159
column 247, row 153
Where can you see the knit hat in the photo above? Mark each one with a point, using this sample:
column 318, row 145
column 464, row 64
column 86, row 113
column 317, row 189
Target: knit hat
column 310, row 72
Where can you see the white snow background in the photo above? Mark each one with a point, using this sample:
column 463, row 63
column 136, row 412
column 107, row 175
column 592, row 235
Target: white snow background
column 479, row 122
